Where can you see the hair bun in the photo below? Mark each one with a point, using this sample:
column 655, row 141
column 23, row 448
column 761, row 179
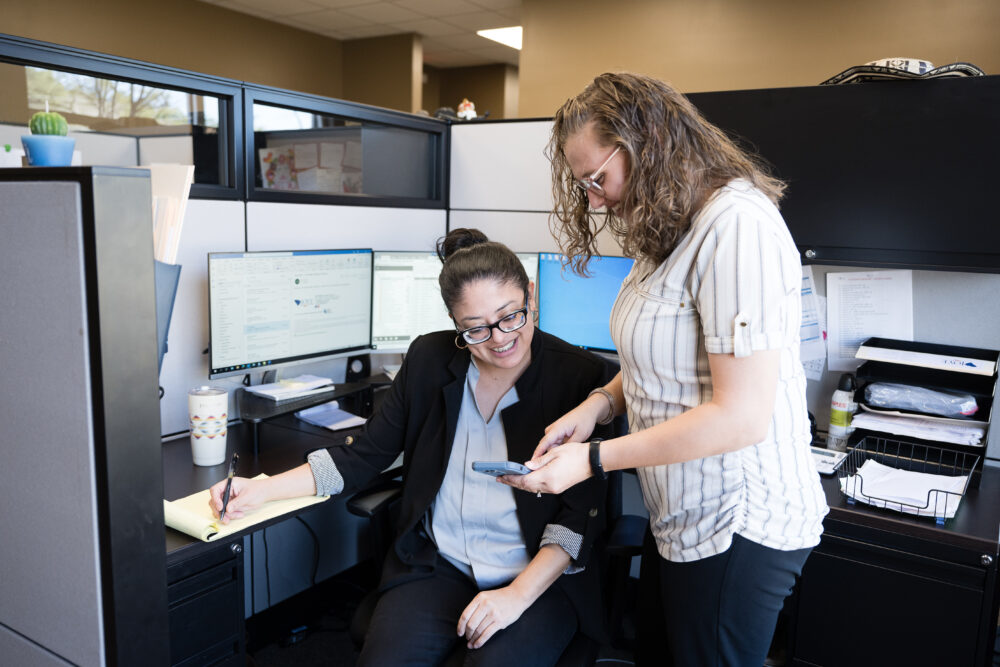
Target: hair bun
column 457, row 239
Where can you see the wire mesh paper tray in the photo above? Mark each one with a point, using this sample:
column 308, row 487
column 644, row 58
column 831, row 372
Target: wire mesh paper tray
column 939, row 503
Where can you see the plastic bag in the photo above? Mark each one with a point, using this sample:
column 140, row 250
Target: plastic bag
column 889, row 395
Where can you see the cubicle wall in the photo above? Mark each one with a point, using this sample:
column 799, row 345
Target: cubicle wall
column 501, row 183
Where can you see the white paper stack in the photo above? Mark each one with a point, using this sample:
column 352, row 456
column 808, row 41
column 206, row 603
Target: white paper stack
column 329, row 415
column 919, row 493
column 292, row 388
column 940, row 430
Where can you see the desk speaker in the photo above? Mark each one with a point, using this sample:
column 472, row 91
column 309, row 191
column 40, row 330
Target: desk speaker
column 358, row 368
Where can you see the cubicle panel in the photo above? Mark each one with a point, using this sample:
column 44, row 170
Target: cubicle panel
column 209, row 226
column 109, row 150
column 501, row 166
column 273, row 226
column 171, row 150
column 50, row 588
column 523, row 231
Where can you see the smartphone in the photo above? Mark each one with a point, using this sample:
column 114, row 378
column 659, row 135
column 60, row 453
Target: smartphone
column 497, row 468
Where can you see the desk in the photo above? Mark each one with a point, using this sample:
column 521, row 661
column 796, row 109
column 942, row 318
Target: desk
column 205, row 580
column 885, row 588
column 255, row 409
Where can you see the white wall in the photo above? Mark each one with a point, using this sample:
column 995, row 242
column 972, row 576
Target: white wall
column 209, row 226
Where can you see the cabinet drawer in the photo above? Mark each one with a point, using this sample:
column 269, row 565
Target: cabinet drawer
column 205, row 609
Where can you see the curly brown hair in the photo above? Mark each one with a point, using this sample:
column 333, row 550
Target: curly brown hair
column 675, row 161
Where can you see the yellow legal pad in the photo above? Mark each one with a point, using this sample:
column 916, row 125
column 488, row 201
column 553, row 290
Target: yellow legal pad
column 192, row 515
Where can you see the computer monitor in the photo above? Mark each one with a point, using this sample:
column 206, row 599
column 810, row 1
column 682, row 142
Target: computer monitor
column 578, row 309
column 270, row 309
column 407, row 298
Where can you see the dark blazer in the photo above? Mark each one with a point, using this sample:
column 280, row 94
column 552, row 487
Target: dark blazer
column 418, row 416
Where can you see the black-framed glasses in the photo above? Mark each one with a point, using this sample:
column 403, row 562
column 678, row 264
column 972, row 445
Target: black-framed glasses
column 506, row 324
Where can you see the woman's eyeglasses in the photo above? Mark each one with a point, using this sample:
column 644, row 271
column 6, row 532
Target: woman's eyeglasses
column 588, row 183
column 481, row 334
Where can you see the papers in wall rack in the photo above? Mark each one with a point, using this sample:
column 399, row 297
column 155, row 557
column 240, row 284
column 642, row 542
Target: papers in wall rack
column 918, row 427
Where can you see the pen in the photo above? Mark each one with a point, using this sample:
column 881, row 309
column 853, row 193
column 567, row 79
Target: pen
column 229, row 484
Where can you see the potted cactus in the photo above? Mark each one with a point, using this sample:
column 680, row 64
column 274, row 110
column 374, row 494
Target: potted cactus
column 48, row 145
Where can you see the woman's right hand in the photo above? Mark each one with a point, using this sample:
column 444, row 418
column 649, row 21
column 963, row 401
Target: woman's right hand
column 245, row 496
column 574, row 426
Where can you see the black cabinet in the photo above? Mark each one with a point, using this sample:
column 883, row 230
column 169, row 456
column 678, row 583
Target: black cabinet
column 205, row 608
column 891, row 173
column 886, row 589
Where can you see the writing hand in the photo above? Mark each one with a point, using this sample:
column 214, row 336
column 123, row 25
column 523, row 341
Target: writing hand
column 245, row 496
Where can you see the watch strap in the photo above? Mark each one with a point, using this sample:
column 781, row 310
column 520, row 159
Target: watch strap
column 595, row 459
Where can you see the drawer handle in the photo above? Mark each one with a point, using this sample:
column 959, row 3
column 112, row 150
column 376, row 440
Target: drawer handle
column 236, row 547
column 986, row 560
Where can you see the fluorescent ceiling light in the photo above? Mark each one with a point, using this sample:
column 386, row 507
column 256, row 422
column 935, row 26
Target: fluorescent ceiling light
column 507, row 36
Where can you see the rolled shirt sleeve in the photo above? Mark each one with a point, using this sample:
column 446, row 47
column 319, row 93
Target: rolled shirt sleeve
column 329, row 481
column 569, row 541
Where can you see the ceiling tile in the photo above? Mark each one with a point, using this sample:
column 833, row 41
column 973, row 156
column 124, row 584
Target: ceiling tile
column 365, row 32
column 479, row 21
column 327, row 19
column 382, row 12
column 271, row 8
column 438, row 8
column 430, row 28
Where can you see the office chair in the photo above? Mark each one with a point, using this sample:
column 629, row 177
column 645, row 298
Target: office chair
column 379, row 504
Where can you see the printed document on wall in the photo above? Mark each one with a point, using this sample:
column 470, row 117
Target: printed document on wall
column 865, row 304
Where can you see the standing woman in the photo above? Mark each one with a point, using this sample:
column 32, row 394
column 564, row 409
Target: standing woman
column 707, row 331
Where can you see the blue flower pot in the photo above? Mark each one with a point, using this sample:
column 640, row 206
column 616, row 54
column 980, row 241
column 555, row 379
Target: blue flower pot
column 48, row 150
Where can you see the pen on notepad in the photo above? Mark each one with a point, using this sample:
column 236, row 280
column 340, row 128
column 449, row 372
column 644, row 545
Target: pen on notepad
column 229, row 484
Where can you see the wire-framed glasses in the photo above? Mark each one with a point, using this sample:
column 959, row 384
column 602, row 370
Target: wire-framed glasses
column 588, row 183
column 506, row 324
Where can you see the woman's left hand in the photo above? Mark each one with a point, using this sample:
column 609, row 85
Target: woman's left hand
column 488, row 613
column 555, row 471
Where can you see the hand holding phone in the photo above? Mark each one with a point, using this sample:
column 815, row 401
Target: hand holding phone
column 498, row 468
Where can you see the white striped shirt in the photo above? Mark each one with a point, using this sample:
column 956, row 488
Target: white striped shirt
column 732, row 286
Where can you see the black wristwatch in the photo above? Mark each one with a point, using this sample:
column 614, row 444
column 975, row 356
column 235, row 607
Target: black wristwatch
column 595, row 459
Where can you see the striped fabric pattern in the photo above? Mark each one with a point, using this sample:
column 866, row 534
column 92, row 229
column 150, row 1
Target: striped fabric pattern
column 732, row 286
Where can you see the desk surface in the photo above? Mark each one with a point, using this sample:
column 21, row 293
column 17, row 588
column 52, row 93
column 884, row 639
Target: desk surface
column 285, row 443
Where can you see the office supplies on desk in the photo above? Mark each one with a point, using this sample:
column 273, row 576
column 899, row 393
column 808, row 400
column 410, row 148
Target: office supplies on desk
column 827, row 460
column 229, row 484
column 928, row 355
column 208, row 418
column 292, row 388
column 329, row 415
column 193, row 515
column 922, row 480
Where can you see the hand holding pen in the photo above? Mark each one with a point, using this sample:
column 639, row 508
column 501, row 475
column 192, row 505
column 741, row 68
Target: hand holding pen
column 229, row 484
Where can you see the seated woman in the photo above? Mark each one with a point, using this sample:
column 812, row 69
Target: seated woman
column 472, row 560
